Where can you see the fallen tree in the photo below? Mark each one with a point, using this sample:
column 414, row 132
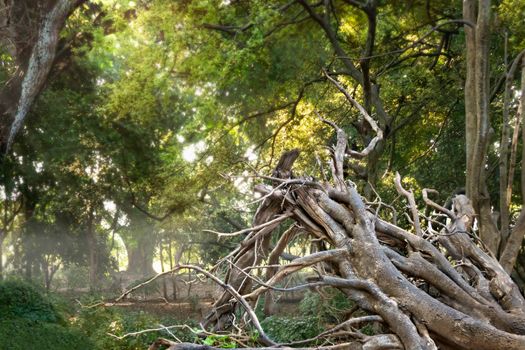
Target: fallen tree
column 433, row 286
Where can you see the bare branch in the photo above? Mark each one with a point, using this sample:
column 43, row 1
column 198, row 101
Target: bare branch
column 263, row 337
column 411, row 204
column 251, row 229
column 364, row 113
column 434, row 205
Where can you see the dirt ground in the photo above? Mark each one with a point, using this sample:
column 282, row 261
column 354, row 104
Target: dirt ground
column 181, row 310
column 186, row 310
column 194, row 299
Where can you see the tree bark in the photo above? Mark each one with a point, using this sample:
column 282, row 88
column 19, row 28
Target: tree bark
column 515, row 240
column 164, row 282
column 2, row 238
column 172, row 278
column 471, row 123
column 477, row 119
column 269, row 305
column 505, row 181
column 93, row 250
column 140, row 258
column 27, row 85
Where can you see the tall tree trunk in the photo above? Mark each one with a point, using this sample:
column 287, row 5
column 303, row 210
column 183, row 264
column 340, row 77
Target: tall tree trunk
column 2, row 238
column 471, row 123
column 172, row 277
column 514, row 242
column 140, row 249
column 164, row 282
column 477, row 119
column 46, row 269
column 93, row 251
column 505, row 181
column 28, row 268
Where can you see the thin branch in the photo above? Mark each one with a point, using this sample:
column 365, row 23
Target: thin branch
column 149, row 330
column 364, row 113
column 350, row 322
column 411, row 203
column 420, row 40
column 264, row 338
column 436, row 206
column 251, row 229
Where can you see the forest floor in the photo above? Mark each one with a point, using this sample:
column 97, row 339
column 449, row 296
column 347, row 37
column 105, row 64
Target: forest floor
column 182, row 310
column 189, row 310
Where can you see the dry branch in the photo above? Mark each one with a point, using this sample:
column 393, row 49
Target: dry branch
column 388, row 271
column 430, row 289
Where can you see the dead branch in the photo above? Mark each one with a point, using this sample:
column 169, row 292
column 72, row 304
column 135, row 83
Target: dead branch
column 239, row 298
column 386, row 276
column 240, row 232
column 424, row 291
column 366, row 116
column 411, row 203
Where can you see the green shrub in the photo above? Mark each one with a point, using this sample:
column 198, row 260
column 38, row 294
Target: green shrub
column 22, row 334
column 220, row 341
column 289, row 329
column 330, row 309
column 97, row 322
column 29, row 320
column 76, row 277
column 20, row 299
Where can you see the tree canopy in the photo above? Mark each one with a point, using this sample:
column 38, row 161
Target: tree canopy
column 151, row 122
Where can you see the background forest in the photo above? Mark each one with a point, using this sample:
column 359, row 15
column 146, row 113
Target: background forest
column 129, row 128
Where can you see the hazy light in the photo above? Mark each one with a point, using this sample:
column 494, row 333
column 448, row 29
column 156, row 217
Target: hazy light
column 120, row 253
column 39, row 166
column 250, row 154
column 189, row 153
column 110, row 206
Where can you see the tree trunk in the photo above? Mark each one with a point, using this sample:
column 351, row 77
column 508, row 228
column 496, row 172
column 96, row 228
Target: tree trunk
column 164, row 282
column 2, row 238
column 140, row 249
column 173, row 277
column 38, row 67
column 477, row 121
column 93, row 251
column 471, row 123
column 515, row 239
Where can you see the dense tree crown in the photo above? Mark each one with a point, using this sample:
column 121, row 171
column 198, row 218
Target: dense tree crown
column 129, row 128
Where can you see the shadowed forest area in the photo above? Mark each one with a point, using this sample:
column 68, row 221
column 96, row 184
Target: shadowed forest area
column 203, row 174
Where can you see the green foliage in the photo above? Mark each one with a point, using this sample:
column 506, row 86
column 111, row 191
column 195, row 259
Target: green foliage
column 76, row 276
column 20, row 299
column 368, row 329
column 30, row 320
column 22, row 334
column 220, row 341
column 329, row 307
column 289, row 329
column 97, row 322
